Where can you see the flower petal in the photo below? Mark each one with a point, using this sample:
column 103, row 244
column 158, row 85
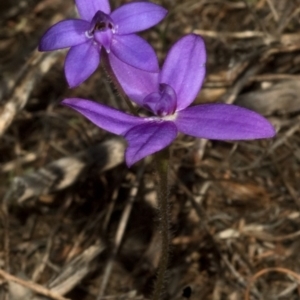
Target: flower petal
column 64, row 34
column 162, row 103
column 136, row 83
column 184, row 69
column 223, row 122
column 135, row 51
column 88, row 8
column 104, row 38
column 81, row 62
column 134, row 17
column 147, row 139
column 105, row 117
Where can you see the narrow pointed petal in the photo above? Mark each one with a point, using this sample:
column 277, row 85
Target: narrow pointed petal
column 104, row 38
column 64, row 34
column 88, row 8
column 81, row 62
column 147, row 139
column 184, row 69
column 223, row 122
column 135, row 51
column 134, row 17
column 105, row 117
column 136, row 83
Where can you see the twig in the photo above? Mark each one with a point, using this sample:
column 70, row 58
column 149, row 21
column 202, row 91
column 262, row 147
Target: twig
column 11, row 165
column 5, row 222
column 263, row 236
column 265, row 271
column 203, row 223
column 110, row 208
column 231, row 95
column 292, row 130
column 43, row 263
column 32, row 286
column 248, row 34
column 288, row 290
column 76, row 269
column 40, row 65
column 236, row 274
column 120, row 231
column 196, row 203
column 273, row 77
column 6, row 247
column 273, row 10
column 289, row 12
column 255, row 16
column 287, row 184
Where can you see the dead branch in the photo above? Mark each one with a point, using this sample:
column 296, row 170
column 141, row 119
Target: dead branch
column 32, row 286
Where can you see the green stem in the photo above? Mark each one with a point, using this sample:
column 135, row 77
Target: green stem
column 162, row 165
column 112, row 76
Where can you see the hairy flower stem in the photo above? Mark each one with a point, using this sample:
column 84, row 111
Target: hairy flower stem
column 162, row 165
column 112, row 76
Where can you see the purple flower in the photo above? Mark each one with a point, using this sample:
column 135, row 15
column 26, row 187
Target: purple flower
column 167, row 95
column 98, row 29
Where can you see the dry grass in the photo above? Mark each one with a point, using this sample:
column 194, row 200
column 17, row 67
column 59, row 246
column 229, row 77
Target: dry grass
column 235, row 206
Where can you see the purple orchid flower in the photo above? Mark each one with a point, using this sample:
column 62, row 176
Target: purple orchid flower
column 167, row 96
column 98, row 29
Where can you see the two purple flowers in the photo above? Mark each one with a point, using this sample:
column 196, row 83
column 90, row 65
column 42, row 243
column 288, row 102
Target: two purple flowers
column 164, row 94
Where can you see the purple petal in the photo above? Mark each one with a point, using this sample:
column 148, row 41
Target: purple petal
column 64, row 34
column 147, row 139
column 88, row 8
column 134, row 17
column 161, row 103
column 81, row 62
column 135, row 51
column 223, row 122
column 184, row 69
column 136, row 83
column 105, row 117
column 104, row 38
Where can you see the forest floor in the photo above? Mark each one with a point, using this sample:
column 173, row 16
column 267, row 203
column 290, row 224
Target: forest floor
column 76, row 223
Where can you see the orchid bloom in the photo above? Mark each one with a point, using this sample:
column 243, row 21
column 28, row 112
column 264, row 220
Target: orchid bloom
column 98, row 29
column 167, row 95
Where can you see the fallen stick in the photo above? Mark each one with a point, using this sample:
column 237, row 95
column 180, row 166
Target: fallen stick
column 32, row 286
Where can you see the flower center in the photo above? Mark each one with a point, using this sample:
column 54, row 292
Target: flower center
column 102, row 30
column 163, row 102
column 101, row 26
